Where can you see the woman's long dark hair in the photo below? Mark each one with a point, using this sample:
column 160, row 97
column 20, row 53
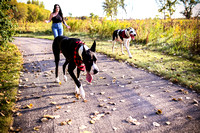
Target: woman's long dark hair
column 60, row 11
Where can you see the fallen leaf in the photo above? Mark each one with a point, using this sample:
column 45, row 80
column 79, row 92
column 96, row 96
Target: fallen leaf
column 51, row 116
column 53, row 103
column 114, row 128
column 92, row 121
column 159, row 111
column 77, row 96
column 155, row 124
column 174, row 99
column 44, row 87
column 112, row 103
column 18, row 129
column 151, row 95
column 189, row 117
column 195, row 101
column 185, row 92
column 132, row 120
column 28, row 106
column 86, row 132
column 168, row 123
column 50, row 97
column 58, row 107
column 96, row 113
column 188, row 98
column 101, row 105
column 102, row 93
column 69, row 122
column 122, row 101
column 2, row 114
column 1, row 94
column 18, row 114
column 114, row 109
column 37, row 128
column 63, row 123
column 44, row 120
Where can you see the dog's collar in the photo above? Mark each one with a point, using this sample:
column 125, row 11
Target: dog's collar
column 78, row 59
column 124, row 34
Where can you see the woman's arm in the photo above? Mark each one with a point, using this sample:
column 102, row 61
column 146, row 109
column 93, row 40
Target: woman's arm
column 66, row 24
column 51, row 16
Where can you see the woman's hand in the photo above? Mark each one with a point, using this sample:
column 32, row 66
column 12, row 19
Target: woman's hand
column 68, row 27
column 46, row 21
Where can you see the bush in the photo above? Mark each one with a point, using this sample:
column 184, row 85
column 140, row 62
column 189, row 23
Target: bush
column 7, row 24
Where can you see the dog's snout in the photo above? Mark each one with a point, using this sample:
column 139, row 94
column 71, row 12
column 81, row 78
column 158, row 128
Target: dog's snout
column 95, row 71
column 134, row 34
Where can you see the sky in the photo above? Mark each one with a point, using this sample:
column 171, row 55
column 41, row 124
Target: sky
column 136, row 9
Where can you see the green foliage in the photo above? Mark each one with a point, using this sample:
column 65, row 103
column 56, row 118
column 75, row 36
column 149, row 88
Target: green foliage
column 35, row 13
column 10, row 66
column 188, row 5
column 111, row 7
column 167, row 7
column 31, row 12
column 21, row 13
column 169, row 36
column 7, row 24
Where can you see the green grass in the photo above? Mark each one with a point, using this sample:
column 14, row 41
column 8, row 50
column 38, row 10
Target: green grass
column 183, row 70
column 10, row 66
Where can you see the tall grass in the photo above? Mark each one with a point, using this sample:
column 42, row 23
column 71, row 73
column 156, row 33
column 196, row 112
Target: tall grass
column 10, row 66
column 170, row 36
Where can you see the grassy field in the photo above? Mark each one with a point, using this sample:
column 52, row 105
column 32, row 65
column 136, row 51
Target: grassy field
column 172, row 36
column 182, row 70
column 10, row 66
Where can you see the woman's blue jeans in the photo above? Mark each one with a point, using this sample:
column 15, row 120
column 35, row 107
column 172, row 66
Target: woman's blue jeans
column 57, row 29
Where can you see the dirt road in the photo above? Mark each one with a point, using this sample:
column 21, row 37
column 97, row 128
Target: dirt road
column 118, row 92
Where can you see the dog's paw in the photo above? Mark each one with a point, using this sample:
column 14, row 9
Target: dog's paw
column 130, row 57
column 82, row 92
column 57, row 80
column 65, row 78
column 77, row 90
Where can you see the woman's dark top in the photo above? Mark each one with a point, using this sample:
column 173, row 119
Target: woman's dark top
column 57, row 19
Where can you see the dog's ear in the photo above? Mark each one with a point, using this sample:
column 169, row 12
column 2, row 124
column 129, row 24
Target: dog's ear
column 93, row 48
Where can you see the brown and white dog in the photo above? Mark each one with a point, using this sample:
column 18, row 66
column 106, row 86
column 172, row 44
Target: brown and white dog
column 124, row 37
column 77, row 54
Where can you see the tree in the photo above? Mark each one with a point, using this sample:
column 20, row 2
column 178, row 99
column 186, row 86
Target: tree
column 7, row 24
column 21, row 12
column 166, row 7
column 41, row 4
column 111, row 7
column 188, row 5
column 170, row 7
column 162, row 6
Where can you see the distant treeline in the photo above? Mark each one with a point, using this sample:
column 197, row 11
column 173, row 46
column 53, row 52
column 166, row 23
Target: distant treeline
column 33, row 11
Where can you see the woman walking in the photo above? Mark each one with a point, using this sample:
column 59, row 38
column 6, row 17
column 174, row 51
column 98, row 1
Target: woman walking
column 57, row 18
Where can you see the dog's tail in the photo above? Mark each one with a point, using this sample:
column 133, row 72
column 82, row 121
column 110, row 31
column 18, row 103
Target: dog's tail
column 56, row 49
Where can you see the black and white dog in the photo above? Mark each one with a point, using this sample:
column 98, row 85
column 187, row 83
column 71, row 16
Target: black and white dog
column 78, row 55
column 124, row 37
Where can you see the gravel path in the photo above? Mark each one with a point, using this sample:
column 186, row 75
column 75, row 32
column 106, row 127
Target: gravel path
column 119, row 93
